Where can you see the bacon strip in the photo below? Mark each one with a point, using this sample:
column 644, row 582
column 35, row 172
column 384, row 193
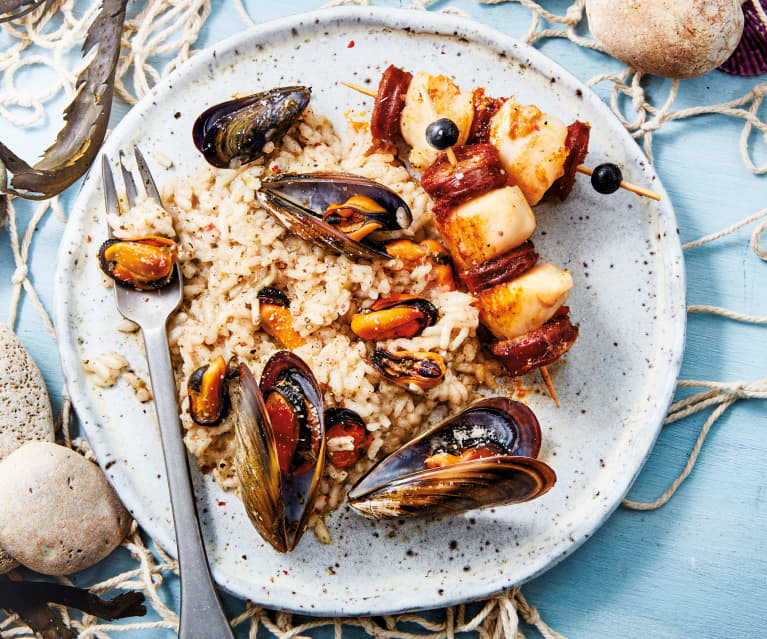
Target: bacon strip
column 478, row 169
column 484, row 110
column 539, row 347
column 502, row 269
column 390, row 100
column 577, row 142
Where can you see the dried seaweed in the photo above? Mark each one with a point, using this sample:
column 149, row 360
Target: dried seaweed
column 29, row 599
column 15, row 9
column 86, row 118
column 45, row 621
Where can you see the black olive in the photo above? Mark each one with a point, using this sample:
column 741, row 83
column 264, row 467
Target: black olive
column 442, row 133
column 606, row 178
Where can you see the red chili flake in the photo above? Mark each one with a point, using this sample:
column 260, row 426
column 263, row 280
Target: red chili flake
column 442, row 52
column 318, row 144
column 350, row 45
column 275, row 168
column 243, row 343
column 146, row 299
column 89, row 238
column 220, row 503
column 285, row 571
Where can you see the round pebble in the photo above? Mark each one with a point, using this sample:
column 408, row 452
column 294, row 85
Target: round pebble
column 25, row 410
column 670, row 38
column 59, row 515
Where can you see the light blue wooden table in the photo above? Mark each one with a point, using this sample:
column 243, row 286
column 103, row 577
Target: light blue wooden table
column 695, row 568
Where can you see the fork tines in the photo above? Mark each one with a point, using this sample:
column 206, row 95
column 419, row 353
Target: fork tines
column 111, row 199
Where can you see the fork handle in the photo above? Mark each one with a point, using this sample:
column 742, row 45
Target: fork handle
column 201, row 616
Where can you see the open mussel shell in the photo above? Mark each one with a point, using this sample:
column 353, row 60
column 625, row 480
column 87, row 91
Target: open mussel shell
column 299, row 202
column 403, row 484
column 278, row 504
column 239, row 129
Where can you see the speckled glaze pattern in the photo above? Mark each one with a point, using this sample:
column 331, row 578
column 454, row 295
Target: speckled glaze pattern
column 615, row 384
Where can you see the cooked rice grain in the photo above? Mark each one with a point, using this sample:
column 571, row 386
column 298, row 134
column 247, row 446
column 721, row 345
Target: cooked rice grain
column 231, row 248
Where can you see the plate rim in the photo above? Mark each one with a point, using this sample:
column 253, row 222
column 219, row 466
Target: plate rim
column 425, row 22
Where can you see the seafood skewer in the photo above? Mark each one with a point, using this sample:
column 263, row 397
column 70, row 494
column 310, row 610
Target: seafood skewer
column 486, row 225
column 483, row 113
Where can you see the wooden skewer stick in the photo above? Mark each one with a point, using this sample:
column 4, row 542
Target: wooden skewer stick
column 639, row 190
column 581, row 169
column 373, row 94
column 361, row 89
column 549, row 384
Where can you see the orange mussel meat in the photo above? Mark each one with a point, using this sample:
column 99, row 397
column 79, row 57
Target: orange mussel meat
column 145, row 263
column 395, row 316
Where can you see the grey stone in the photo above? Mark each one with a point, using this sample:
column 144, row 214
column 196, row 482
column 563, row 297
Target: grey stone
column 25, row 410
column 59, row 514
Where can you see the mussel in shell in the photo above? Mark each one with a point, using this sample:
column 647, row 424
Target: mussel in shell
column 276, row 320
column 279, row 447
column 484, row 456
column 239, row 129
column 347, row 437
column 206, row 388
column 145, row 263
column 348, row 214
column 419, row 369
column 395, row 316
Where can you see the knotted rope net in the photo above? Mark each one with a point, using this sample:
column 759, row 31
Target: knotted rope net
column 158, row 36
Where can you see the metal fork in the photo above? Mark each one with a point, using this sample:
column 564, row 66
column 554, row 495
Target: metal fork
column 201, row 616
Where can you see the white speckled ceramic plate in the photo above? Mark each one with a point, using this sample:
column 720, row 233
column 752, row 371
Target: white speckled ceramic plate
column 615, row 384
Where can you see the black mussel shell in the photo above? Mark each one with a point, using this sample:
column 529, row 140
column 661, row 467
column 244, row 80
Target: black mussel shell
column 454, row 489
column 402, row 484
column 337, row 415
column 271, row 295
column 299, row 202
column 240, row 128
column 278, row 505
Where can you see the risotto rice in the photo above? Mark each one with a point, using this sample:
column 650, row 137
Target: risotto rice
column 231, row 248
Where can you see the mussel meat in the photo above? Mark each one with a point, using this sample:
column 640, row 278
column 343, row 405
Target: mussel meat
column 239, row 129
column 429, row 250
column 280, row 447
column 484, row 456
column 346, row 213
column 347, row 437
column 145, row 263
column 206, row 388
column 357, row 218
column 276, row 319
column 395, row 316
column 419, row 369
